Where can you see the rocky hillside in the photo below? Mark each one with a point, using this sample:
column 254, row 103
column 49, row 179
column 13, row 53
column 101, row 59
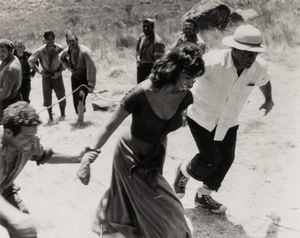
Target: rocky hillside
column 28, row 18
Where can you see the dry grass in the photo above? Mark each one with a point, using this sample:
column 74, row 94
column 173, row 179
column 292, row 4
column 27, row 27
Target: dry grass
column 278, row 21
column 109, row 26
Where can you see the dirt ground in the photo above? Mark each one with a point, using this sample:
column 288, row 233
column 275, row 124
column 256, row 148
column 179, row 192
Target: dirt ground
column 261, row 190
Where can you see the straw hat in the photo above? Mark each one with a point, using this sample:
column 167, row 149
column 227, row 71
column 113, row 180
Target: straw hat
column 247, row 38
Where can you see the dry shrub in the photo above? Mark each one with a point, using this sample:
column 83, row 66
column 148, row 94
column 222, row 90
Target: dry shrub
column 125, row 41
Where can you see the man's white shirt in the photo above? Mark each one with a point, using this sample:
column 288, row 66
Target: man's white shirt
column 220, row 94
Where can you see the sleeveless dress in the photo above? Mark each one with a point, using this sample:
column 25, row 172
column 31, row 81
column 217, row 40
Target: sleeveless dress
column 140, row 203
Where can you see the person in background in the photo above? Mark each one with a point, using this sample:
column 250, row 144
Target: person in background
column 219, row 96
column 150, row 47
column 189, row 34
column 10, row 75
column 79, row 59
column 140, row 202
column 27, row 72
column 48, row 58
column 20, row 144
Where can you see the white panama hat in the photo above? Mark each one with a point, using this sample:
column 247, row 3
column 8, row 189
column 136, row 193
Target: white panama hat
column 247, row 38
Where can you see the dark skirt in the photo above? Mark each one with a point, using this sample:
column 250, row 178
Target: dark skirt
column 140, row 203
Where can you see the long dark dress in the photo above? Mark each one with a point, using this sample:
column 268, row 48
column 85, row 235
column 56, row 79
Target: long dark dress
column 140, row 203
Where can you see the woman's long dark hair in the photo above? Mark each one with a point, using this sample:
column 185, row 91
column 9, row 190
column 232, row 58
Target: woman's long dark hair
column 185, row 58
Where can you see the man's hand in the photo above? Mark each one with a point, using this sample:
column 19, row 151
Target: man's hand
column 22, row 226
column 44, row 73
column 84, row 173
column 56, row 75
column 81, row 95
column 64, row 56
column 89, row 156
column 267, row 106
column 39, row 71
column 90, row 89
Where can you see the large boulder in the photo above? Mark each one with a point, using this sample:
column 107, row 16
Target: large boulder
column 215, row 14
column 247, row 14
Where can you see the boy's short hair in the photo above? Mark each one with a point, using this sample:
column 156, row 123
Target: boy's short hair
column 20, row 114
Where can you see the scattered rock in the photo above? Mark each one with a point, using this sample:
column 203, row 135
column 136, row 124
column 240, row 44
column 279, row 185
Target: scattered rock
column 247, row 14
column 103, row 106
column 102, row 91
column 126, row 41
column 116, row 73
column 147, row 2
column 274, row 226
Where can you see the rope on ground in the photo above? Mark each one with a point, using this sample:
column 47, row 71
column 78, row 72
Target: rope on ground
column 75, row 90
column 277, row 223
column 285, row 227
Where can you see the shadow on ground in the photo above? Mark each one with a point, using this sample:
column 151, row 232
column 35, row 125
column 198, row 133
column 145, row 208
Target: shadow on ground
column 76, row 125
column 208, row 225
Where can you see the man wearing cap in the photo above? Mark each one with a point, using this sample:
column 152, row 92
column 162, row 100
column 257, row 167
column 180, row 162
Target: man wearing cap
column 10, row 75
column 78, row 58
column 219, row 97
column 189, row 34
column 150, row 47
column 48, row 57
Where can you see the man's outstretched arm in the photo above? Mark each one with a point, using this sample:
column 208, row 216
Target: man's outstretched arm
column 267, row 92
column 59, row 158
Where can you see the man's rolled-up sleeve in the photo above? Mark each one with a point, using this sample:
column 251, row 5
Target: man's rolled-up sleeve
column 10, row 78
column 263, row 74
column 91, row 70
column 33, row 59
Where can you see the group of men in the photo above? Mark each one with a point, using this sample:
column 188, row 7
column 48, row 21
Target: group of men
column 49, row 61
column 19, row 142
column 150, row 46
column 219, row 96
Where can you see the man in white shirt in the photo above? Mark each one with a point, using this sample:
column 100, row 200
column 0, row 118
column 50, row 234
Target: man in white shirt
column 219, row 96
